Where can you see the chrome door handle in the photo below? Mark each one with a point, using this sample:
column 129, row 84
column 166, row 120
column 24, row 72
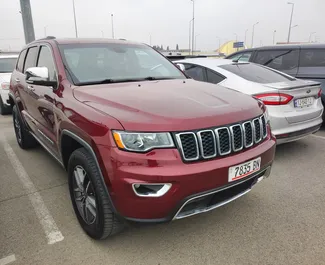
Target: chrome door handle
column 31, row 88
column 17, row 80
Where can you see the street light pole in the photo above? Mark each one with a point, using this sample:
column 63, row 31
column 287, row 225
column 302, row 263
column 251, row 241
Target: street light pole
column 293, row 6
column 253, row 33
column 26, row 14
column 75, row 19
column 274, row 36
column 112, row 17
column 193, row 30
column 311, row 35
column 189, row 36
column 245, row 36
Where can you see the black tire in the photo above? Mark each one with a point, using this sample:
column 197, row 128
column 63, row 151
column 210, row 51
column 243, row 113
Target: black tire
column 106, row 222
column 3, row 109
column 24, row 138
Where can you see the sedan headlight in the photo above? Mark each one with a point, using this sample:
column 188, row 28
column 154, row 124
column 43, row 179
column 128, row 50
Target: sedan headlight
column 5, row 85
column 142, row 142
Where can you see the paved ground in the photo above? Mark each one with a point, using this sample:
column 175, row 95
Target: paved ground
column 282, row 221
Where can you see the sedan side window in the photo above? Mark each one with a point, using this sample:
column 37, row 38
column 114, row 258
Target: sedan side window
column 213, row 77
column 196, row 72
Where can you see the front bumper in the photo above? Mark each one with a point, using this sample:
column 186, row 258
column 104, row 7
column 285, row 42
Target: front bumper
column 166, row 166
column 5, row 97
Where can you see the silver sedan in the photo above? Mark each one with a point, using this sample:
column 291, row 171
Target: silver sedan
column 294, row 105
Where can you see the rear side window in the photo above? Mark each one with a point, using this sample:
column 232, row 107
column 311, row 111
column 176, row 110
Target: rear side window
column 278, row 59
column 312, row 58
column 31, row 58
column 21, row 60
column 213, row 77
column 256, row 73
column 196, row 72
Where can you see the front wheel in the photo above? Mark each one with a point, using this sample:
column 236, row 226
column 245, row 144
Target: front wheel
column 89, row 198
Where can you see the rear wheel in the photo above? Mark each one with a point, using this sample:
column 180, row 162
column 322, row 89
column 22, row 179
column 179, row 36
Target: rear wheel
column 24, row 138
column 89, row 198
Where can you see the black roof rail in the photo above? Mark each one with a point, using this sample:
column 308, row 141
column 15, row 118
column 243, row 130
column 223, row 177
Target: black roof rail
column 48, row 38
column 122, row 39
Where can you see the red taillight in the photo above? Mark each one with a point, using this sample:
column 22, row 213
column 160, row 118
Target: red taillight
column 319, row 93
column 274, row 98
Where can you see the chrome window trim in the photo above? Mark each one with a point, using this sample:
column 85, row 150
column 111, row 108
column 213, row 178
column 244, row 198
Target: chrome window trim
column 233, row 137
column 179, row 142
column 201, row 145
column 244, row 130
column 255, row 139
column 218, row 141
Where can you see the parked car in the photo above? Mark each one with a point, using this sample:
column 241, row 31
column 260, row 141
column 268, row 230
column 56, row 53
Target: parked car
column 303, row 61
column 7, row 65
column 294, row 105
column 141, row 143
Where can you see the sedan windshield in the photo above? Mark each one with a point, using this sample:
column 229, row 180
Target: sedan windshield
column 113, row 63
column 7, row 65
column 256, row 73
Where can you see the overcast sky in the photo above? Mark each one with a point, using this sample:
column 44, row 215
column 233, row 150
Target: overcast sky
column 166, row 20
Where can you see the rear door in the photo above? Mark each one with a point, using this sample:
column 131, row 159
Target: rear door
column 284, row 60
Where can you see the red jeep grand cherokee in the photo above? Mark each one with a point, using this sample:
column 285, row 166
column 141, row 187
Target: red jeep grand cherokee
column 140, row 141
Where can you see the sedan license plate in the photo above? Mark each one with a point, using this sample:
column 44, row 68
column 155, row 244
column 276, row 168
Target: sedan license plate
column 304, row 102
column 243, row 170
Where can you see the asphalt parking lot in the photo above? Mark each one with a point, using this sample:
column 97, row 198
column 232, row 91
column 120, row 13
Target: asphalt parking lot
column 281, row 221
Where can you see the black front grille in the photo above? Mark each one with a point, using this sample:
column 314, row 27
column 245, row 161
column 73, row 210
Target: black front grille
column 189, row 146
column 208, row 145
column 257, row 126
column 248, row 132
column 237, row 137
column 222, row 141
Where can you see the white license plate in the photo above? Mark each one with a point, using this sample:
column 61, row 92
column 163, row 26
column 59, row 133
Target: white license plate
column 304, row 102
column 244, row 170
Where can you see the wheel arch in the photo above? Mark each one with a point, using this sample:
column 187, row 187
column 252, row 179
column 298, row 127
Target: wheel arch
column 84, row 144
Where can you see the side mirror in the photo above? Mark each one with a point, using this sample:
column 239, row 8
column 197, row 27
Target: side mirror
column 39, row 76
column 181, row 66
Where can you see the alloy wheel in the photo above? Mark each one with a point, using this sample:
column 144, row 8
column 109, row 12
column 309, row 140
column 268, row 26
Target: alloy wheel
column 17, row 129
column 84, row 195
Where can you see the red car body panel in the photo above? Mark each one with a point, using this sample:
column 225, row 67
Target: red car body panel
column 92, row 112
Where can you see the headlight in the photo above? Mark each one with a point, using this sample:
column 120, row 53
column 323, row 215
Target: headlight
column 5, row 86
column 142, row 142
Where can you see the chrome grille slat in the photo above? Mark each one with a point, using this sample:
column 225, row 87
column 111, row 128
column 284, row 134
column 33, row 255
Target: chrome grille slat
column 248, row 134
column 207, row 144
column 223, row 141
column 236, row 132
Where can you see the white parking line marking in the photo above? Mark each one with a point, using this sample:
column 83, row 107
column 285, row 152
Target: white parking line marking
column 50, row 228
column 318, row 136
column 7, row 260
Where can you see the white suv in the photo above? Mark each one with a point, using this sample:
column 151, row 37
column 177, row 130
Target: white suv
column 7, row 65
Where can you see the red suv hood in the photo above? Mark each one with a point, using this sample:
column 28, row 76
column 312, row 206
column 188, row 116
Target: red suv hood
column 169, row 105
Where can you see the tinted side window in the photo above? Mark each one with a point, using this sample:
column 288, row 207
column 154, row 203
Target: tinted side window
column 243, row 57
column 31, row 58
column 196, row 72
column 256, row 73
column 312, row 58
column 214, row 77
column 45, row 59
column 279, row 60
column 21, row 60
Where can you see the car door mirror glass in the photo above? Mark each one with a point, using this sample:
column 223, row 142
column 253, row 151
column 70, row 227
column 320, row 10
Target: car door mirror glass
column 39, row 76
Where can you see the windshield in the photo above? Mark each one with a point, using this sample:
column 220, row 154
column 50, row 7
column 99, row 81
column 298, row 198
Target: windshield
column 7, row 65
column 256, row 73
column 111, row 62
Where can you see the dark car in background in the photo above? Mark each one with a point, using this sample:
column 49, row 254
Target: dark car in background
column 304, row 61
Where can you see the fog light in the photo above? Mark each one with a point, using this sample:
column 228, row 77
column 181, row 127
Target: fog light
column 151, row 190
